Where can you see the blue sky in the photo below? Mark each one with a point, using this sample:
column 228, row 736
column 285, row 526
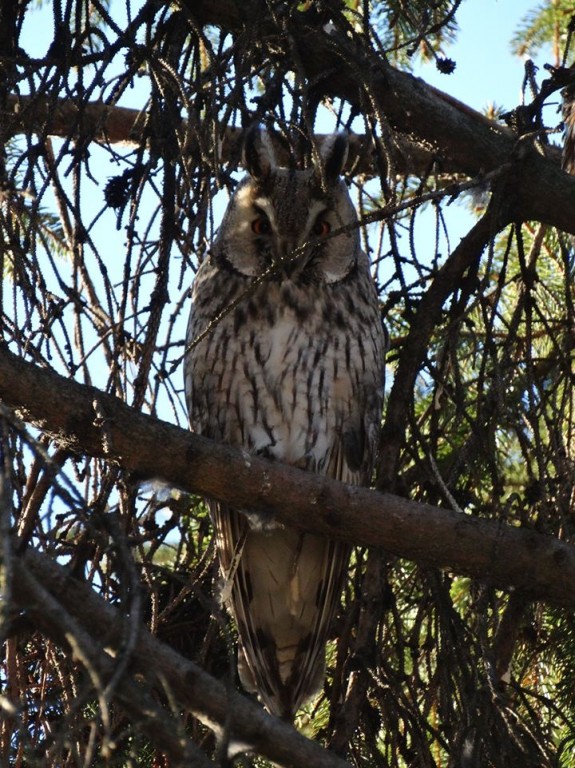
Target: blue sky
column 486, row 72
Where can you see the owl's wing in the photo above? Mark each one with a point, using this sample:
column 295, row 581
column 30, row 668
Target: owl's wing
column 283, row 588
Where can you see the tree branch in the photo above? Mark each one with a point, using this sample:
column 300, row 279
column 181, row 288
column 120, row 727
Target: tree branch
column 34, row 584
column 112, row 124
column 87, row 420
column 464, row 259
column 248, row 725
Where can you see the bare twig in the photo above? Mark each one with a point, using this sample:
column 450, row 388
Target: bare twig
column 80, row 614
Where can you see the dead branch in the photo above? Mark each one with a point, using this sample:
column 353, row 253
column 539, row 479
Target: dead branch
column 33, row 579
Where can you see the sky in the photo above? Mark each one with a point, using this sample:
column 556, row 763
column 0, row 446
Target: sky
column 486, row 72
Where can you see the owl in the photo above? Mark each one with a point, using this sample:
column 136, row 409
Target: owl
column 285, row 358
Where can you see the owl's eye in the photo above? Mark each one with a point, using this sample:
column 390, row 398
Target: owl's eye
column 321, row 227
column 261, row 225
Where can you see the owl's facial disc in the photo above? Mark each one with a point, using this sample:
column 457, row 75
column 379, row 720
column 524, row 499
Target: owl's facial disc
column 286, row 239
column 286, row 220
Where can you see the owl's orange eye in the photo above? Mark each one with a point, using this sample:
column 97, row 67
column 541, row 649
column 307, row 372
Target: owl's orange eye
column 261, row 225
column 321, row 228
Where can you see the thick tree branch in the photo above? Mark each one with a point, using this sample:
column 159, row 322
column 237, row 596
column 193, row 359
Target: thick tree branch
column 100, row 122
column 109, row 124
column 100, row 425
column 249, row 727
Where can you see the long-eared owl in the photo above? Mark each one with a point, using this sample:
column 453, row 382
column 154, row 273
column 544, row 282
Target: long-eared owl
column 292, row 372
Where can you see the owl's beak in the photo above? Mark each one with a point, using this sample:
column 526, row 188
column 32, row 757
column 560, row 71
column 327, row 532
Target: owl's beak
column 285, row 247
column 290, row 261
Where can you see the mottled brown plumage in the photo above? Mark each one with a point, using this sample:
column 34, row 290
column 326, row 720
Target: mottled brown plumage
column 293, row 372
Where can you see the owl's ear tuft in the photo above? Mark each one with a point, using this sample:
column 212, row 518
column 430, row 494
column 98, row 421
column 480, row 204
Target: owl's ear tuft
column 334, row 154
column 259, row 156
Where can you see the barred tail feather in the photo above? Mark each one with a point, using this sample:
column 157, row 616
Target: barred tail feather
column 283, row 590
